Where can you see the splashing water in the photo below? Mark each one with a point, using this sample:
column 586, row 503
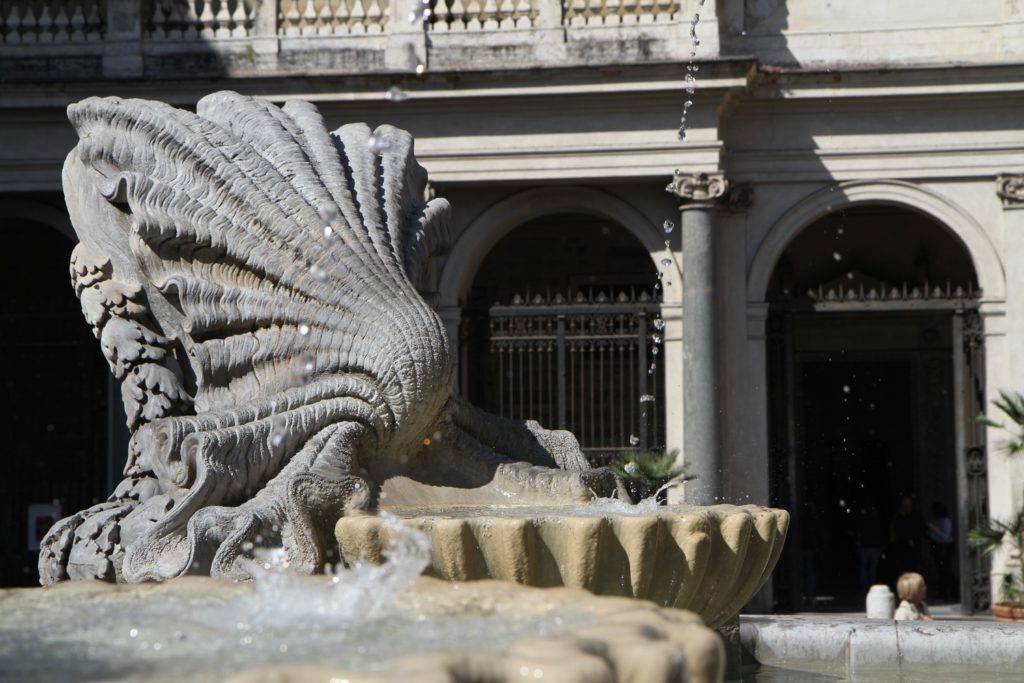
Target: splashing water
column 668, row 226
column 363, row 590
column 691, row 68
column 396, row 94
column 378, row 144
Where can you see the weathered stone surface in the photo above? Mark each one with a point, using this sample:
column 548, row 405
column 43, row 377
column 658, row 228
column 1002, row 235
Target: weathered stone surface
column 258, row 285
column 708, row 560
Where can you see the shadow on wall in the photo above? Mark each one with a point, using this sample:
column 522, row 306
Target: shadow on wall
column 755, row 27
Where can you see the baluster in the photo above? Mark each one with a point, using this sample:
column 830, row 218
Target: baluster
column 506, row 12
column 358, row 17
column 646, row 11
column 291, row 18
column 578, row 9
column 222, row 19
column 611, row 12
column 524, row 14
column 341, row 18
column 76, row 23
column 325, row 19
column 241, row 19
column 490, row 17
column 28, row 26
column 374, row 18
column 441, row 17
column 457, row 16
column 207, row 20
column 190, row 23
column 93, row 23
column 473, row 19
column 60, row 24
column 308, row 26
column 664, row 10
column 13, row 23
column 595, row 11
column 45, row 24
column 177, row 20
column 158, row 21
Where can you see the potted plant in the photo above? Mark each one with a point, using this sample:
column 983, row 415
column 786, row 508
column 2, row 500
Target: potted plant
column 647, row 474
column 993, row 534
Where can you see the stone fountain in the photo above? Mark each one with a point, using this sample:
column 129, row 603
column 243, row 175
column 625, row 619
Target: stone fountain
column 262, row 289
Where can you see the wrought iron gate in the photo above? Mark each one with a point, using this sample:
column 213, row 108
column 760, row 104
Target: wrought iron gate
column 589, row 365
column 972, row 475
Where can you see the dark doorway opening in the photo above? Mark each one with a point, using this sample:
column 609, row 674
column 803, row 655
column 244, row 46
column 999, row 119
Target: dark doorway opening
column 53, row 407
column 870, row 399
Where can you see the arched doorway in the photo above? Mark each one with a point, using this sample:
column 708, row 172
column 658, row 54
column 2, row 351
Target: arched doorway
column 561, row 325
column 53, row 407
column 875, row 361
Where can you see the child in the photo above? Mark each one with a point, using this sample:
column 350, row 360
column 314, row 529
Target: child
column 912, row 591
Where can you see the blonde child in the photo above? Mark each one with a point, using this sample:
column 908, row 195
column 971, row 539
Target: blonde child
column 912, row 591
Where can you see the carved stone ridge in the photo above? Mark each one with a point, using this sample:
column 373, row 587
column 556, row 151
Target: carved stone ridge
column 699, row 187
column 1010, row 189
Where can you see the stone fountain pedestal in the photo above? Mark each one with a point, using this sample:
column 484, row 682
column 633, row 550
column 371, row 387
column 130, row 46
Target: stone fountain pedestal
column 214, row 631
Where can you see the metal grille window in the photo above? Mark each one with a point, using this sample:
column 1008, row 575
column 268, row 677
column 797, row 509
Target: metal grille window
column 588, row 364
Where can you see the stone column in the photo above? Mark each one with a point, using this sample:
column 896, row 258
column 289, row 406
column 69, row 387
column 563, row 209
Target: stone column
column 1004, row 367
column 699, row 195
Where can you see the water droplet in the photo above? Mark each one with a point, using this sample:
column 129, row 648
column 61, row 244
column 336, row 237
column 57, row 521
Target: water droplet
column 134, row 633
column 654, row 351
column 687, row 104
column 303, row 329
column 666, row 262
column 668, row 227
column 634, row 439
column 656, row 338
column 419, row 13
column 330, row 234
column 247, row 547
column 650, row 370
column 421, row 68
column 659, row 324
column 378, row 144
column 157, row 646
column 846, row 388
column 396, row 94
column 318, row 273
column 647, row 398
column 837, row 256
column 839, row 231
column 284, row 646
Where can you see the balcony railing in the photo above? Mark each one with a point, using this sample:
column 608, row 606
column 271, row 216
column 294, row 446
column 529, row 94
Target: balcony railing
column 182, row 38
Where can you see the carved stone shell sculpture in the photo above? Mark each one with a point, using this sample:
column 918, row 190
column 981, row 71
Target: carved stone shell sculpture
column 260, row 287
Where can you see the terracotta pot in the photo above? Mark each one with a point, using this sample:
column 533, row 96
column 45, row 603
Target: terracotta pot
column 1008, row 611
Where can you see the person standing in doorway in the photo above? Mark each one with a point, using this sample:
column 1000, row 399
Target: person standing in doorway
column 870, row 540
column 940, row 537
column 906, row 536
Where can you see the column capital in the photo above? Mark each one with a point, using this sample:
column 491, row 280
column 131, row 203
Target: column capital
column 1010, row 188
column 707, row 190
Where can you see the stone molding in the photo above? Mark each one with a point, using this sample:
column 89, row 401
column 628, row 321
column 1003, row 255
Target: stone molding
column 1010, row 188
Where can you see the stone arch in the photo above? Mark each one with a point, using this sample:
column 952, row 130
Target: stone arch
column 484, row 232
column 39, row 212
column 987, row 264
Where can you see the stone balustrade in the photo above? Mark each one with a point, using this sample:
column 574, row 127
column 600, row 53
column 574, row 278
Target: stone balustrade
column 172, row 38
column 51, row 21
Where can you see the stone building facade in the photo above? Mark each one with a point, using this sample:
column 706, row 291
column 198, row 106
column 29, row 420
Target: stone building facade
column 837, row 304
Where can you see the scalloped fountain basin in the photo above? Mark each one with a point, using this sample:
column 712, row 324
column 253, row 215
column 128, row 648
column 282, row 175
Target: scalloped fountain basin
column 710, row 560
column 200, row 629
